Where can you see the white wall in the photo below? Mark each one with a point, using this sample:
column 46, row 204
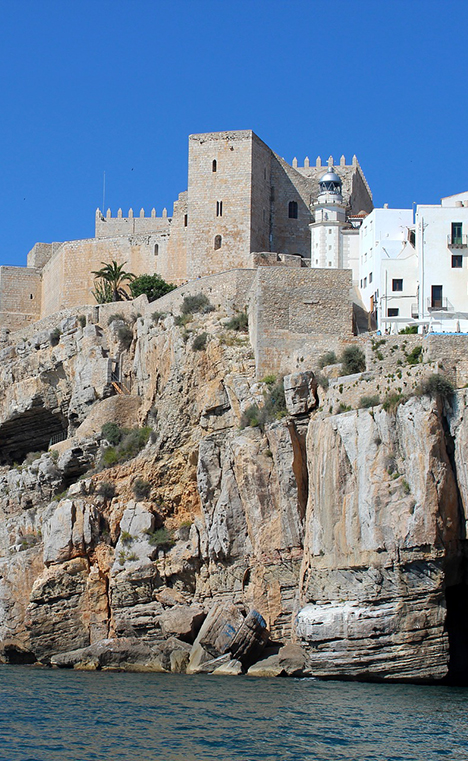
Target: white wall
column 386, row 254
column 433, row 230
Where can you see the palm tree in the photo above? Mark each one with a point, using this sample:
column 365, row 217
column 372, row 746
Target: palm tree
column 109, row 282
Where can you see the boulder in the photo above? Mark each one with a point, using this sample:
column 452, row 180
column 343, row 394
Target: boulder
column 300, row 391
column 293, row 660
column 250, row 638
column 219, row 629
column 270, row 666
column 207, row 667
column 182, row 621
column 231, row 668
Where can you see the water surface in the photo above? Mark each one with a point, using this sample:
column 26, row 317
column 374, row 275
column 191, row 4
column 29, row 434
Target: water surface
column 48, row 715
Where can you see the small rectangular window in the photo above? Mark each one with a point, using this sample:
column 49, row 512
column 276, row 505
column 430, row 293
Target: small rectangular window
column 370, row 278
column 185, row 220
column 219, row 208
column 457, row 261
column 365, row 282
column 392, row 312
column 397, row 284
column 457, row 228
column 436, row 296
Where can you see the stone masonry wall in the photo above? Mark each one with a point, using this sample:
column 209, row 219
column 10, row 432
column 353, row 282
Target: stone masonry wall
column 227, row 290
column 290, row 236
column 20, row 296
column 296, row 315
column 110, row 227
column 68, row 278
column 230, row 185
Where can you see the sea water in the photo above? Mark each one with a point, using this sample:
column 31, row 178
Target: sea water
column 49, row 715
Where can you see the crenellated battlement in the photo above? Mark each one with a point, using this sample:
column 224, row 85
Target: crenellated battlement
column 108, row 226
column 346, row 171
column 329, row 163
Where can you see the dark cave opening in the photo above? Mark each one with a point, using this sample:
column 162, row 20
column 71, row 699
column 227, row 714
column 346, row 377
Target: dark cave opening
column 28, row 431
column 457, row 630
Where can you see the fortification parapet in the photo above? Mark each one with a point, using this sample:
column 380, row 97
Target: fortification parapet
column 109, row 227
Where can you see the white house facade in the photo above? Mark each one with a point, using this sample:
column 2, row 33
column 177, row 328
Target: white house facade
column 388, row 268
column 442, row 246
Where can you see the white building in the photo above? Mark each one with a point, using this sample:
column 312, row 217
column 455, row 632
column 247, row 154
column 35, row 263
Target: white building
column 442, row 245
column 388, row 270
column 334, row 240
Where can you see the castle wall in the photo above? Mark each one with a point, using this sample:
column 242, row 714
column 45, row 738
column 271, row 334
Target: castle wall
column 68, row 280
column 41, row 253
column 20, row 296
column 225, row 290
column 230, row 185
column 111, row 227
column 290, row 236
column 295, row 315
column 172, row 265
column 260, row 202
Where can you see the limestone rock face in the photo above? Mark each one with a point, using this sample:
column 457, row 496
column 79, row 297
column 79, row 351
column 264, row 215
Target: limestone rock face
column 300, row 391
column 381, row 517
column 342, row 538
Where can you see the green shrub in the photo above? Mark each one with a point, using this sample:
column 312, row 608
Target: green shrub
column 161, row 538
column 353, row 360
column 82, row 320
column 152, row 285
column 369, row 401
column 197, row 303
column 393, row 401
column 274, row 408
column 270, row 380
column 329, row 358
column 250, row 416
column 322, row 380
column 54, row 336
column 112, row 433
column 125, row 335
column 54, row 454
column 436, row 386
column 126, row 537
column 415, row 356
column 344, row 408
column 239, row 322
column 141, row 489
column 30, row 457
column 117, row 316
column 199, row 342
column 405, row 486
column 410, row 330
column 156, row 316
column 110, row 457
column 106, row 489
column 181, row 320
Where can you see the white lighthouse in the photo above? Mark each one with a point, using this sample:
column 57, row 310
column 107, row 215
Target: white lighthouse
column 334, row 242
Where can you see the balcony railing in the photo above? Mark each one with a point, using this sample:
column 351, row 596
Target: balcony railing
column 415, row 310
column 439, row 305
column 457, row 241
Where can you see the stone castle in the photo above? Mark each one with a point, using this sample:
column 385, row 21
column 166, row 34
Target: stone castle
column 242, row 199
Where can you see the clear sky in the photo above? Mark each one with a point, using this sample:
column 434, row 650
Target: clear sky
column 88, row 86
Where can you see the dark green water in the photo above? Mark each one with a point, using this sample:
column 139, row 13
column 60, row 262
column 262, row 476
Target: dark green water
column 75, row 716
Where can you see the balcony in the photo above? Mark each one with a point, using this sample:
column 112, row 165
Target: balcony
column 439, row 305
column 457, row 241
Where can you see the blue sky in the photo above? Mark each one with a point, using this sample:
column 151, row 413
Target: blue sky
column 88, row 86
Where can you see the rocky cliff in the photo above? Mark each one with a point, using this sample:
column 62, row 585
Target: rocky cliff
column 213, row 528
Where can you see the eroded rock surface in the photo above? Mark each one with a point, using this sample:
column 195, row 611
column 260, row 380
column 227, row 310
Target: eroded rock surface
column 340, row 537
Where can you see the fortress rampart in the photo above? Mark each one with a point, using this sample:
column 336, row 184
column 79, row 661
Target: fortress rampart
column 241, row 198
